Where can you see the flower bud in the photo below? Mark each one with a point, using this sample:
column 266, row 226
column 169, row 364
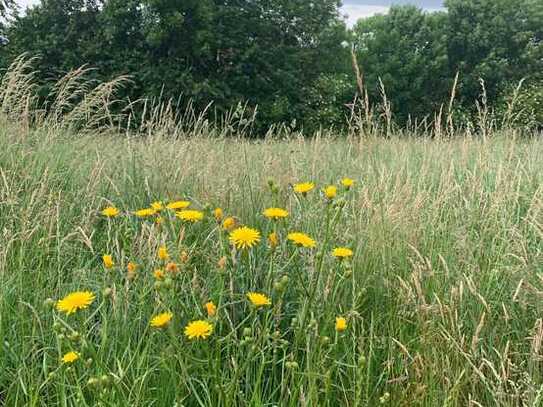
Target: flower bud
column 49, row 303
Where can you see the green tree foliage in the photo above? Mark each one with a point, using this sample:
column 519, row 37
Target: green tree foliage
column 267, row 53
column 500, row 41
column 287, row 59
column 407, row 50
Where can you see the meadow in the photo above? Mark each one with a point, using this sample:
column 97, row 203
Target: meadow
column 150, row 271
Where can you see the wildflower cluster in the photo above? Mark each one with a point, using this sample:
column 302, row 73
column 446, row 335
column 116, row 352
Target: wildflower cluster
column 204, row 277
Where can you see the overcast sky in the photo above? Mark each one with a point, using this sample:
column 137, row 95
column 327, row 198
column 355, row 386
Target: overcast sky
column 354, row 9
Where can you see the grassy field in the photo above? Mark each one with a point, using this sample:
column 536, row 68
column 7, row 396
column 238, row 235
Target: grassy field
column 442, row 298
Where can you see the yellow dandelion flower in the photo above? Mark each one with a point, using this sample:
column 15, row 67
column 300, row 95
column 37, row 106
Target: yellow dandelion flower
column 211, row 309
column 162, row 253
column 341, row 324
column 158, row 274
column 347, row 183
column 275, row 213
column 70, row 357
column 75, row 301
column 304, row 187
column 273, row 240
column 198, row 329
column 258, row 300
column 330, row 192
column 131, row 270
column 218, row 213
column 161, row 320
column 177, row 205
column 110, row 212
column 342, row 252
column 144, row 213
column 108, row 261
column 229, row 223
column 157, row 206
column 301, row 239
column 244, row 237
column 190, row 216
column 172, row 268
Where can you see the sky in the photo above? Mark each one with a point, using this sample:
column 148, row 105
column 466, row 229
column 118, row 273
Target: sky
column 353, row 9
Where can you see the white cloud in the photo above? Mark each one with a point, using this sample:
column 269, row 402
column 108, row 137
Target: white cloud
column 25, row 3
column 356, row 11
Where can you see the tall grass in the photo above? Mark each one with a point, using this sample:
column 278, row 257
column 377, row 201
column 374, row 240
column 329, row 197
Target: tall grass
column 442, row 296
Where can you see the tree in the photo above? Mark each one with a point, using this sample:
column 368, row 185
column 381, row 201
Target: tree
column 407, row 50
column 500, row 41
column 267, row 53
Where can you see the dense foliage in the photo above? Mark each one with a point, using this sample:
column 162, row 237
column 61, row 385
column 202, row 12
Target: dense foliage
column 290, row 60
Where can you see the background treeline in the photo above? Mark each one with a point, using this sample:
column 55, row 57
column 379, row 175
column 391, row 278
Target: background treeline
column 291, row 59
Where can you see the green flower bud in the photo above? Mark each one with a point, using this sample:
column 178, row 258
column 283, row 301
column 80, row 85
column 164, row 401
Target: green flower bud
column 168, row 283
column 49, row 303
column 93, row 381
column 105, row 380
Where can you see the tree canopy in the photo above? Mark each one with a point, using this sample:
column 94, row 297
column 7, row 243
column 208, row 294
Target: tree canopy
column 289, row 60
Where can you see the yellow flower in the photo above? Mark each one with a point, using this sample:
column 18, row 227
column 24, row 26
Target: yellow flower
column 301, row 239
column 108, row 261
column 157, row 206
column 330, row 192
column 244, row 237
column 341, row 324
column 161, row 320
column 70, row 357
column 75, row 301
column 162, row 253
column 172, row 267
column 347, row 183
column 190, row 216
column 211, row 309
column 258, row 300
column 131, row 270
column 198, row 329
column 229, row 223
column 177, row 205
column 218, row 213
column 342, row 252
column 275, row 213
column 110, row 211
column 144, row 213
column 273, row 240
column 304, row 187
column 159, row 274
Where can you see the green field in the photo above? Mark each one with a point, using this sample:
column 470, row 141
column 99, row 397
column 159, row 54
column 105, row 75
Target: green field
column 442, row 297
